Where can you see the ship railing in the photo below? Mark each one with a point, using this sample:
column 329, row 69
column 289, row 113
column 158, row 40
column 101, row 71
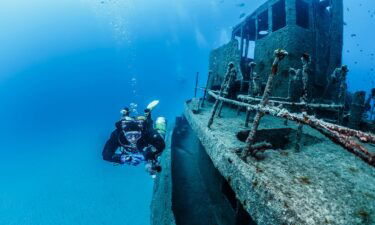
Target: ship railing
column 341, row 135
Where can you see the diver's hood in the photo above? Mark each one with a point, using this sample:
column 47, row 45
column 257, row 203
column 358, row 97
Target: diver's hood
column 132, row 125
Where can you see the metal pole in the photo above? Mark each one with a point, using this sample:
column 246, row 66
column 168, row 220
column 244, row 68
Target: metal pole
column 242, row 41
column 279, row 55
column 205, row 90
column 196, row 85
column 372, row 111
column 222, row 89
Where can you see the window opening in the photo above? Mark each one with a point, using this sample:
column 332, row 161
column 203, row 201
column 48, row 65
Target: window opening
column 278, row 15
column 251, row 49
column 262, row 24
column 302, row 14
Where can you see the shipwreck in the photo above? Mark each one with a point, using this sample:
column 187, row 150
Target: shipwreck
column 275, row 138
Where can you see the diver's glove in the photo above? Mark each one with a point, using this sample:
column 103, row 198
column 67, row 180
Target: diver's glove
column 125, row 159
column 133, row 160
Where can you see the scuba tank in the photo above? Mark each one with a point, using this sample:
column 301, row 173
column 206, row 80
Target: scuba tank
column 161, row 126
column 161, row 123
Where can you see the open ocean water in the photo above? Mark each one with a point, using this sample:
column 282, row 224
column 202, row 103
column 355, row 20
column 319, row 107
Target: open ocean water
column 67, row 68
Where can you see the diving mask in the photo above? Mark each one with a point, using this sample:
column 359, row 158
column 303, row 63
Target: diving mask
column 133, row 136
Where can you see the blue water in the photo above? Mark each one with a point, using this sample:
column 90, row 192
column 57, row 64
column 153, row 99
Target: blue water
column 68, row 67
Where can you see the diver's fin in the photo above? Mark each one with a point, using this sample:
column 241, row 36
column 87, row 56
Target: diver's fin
column 152, row 105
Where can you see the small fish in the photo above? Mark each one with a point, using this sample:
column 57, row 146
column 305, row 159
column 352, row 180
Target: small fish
column 263, row 32
column 242, row 15
column 240, row 4
column 353, row 35
column 345, row 24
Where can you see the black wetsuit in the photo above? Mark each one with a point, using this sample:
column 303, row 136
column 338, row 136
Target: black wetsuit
column 149, row 137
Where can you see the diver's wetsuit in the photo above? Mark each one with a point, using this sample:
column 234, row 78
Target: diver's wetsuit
column 149, row 137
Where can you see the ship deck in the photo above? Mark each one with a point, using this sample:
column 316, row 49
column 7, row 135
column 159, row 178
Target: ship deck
column 321, row 184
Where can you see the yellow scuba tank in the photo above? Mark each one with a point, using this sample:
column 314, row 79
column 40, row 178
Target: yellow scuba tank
column 161, row 126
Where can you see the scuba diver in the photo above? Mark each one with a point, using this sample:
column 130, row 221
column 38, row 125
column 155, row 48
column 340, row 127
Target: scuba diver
column 137, row 140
